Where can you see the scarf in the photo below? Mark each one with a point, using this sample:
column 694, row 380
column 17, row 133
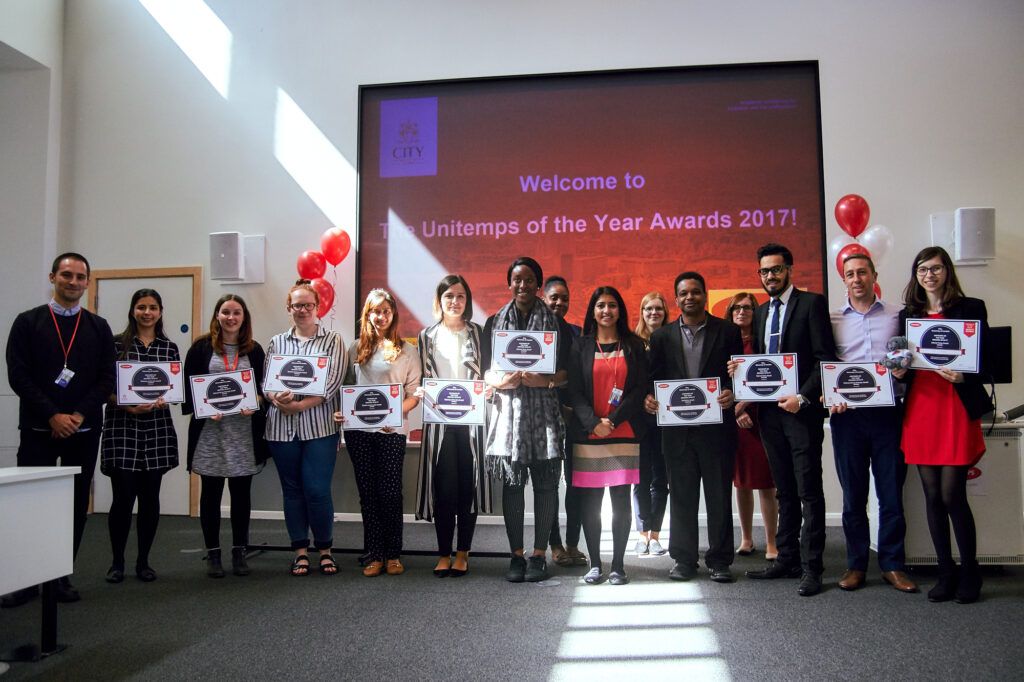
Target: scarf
column 526, row 426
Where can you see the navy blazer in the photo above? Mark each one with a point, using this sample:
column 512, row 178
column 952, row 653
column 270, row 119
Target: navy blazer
column 973, row 395
column 722, row 340
column 580, row 390
column 806, row 332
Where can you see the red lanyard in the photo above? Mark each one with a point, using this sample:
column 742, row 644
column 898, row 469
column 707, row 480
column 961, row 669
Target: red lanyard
column 612, row 362
column 228, row 367
column 60, row 337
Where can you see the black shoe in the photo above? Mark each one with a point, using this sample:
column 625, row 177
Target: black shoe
column 66, row 592
column 239, row 566
column 721, row 574
column 214, row 569
column 946, row 588
column 19, row 597
column 516, row 572
column 810, row 585
column 774, row 570
column 536, row 569
column 364, row 559
column 115, row 574
column 144, row 573
column 681, row 572
column 969, row 589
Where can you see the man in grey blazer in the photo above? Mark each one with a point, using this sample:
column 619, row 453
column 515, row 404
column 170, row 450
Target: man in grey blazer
column 698, row 345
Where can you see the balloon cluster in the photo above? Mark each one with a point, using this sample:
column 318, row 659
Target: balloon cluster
column 312, row 265
column 852, row 214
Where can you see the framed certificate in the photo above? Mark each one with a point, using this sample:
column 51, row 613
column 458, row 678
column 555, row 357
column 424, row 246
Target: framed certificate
column 448, row 401
column 858, row 384
column 765, row 377
column 224, row 393
column 515, row 351
column 369, row 408
column 688, row 402
column 945, row 344
column 302, row 374
column 141, row 383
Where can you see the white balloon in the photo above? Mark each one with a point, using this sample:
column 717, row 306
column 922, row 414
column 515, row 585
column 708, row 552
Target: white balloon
column 879, row 241
column 837, row 244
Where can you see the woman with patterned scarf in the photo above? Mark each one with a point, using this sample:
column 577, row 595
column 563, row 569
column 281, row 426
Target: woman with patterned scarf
column 452, row 486
column 526, row 432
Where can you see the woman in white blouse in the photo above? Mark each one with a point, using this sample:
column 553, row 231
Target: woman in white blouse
column 380, row 356
column 302, row 435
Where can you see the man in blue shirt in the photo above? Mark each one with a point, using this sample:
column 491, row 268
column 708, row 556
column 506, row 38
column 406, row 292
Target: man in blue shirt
column 867, row 441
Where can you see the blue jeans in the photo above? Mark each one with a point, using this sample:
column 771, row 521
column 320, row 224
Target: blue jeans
column 305, row 468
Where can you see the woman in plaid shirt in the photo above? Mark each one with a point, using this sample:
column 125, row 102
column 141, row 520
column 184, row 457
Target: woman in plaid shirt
column 139, row 443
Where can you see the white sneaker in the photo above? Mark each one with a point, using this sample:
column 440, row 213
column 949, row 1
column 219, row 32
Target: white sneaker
column 656, row 549
column 642, row 547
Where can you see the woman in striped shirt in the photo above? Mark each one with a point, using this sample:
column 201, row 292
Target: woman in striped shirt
column 302, row 435
column 139, row 442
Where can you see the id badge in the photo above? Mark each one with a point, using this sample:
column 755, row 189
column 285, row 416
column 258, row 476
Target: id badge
column 615, row 397
column 64, row 378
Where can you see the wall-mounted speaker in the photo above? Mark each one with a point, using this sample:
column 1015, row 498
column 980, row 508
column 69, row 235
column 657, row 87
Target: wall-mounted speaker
column 227, row 256
column 974, row 234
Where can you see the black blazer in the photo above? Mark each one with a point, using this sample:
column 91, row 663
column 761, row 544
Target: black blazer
column 197, row 361
column 807, row 332
column 580, row 390
column 972, row 391
column 722, row 340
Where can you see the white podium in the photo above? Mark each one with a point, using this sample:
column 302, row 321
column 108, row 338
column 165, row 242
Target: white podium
column 36, row 537
column 996, row 496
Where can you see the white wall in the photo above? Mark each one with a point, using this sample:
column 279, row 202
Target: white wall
column 921, row 105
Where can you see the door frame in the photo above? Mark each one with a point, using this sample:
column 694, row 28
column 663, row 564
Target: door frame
column 194, row 272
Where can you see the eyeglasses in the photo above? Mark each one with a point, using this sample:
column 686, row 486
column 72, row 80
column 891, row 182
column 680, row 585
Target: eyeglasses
column 302, row 306
column 652, row 309
column 743, row 308
column 935, row 269
column 773, row 270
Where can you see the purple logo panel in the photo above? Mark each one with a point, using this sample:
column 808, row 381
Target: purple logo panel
column 408, row 137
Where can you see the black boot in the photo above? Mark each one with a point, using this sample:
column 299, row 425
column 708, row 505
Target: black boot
column 214, row 569
column 945, row 589
column 970, row 582
column 238, row 564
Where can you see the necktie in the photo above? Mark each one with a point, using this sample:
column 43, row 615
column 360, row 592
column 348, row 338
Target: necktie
column 773, row 333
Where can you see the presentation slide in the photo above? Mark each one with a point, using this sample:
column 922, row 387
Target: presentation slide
column 623, row 178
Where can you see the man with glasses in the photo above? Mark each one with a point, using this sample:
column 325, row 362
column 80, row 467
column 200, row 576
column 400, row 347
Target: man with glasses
column 867, row 441
column 60, row 363
column 796, row 322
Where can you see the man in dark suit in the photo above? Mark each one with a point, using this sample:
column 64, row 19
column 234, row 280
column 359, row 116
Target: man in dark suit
column 797, row 322
column 698, row 345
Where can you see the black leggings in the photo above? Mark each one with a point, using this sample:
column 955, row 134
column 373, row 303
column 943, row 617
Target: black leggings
column 209, row 509
column 945, row 493
column 127, row 486
column 572, row 511
column 591, row 501
column 454, row 491
column 544, row 478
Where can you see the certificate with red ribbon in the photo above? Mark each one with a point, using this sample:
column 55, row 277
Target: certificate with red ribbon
column 688, row 402
column 945, row 344
column 765, row 377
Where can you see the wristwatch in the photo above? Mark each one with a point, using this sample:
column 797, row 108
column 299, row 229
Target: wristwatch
column 551, row 384
column 802, row 399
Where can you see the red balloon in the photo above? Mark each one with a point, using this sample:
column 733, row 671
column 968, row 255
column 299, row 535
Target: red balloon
column 878, row 291
column 326, row 293
column 847, row 251
column 335, row 244
column 852, row 214
column 311, row 264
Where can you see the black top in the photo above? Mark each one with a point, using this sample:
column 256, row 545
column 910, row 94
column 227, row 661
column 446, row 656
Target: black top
column 35, row 359
column 197, row 361
column 581, row 390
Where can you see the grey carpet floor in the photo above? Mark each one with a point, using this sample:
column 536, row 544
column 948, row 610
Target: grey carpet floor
column 269, row 625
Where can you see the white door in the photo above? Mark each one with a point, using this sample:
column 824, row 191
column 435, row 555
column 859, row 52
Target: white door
column 113, row 298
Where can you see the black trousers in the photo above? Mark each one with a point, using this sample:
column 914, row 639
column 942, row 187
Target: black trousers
column 128, row 486
column 210, row 493
column 687, row 471
column 573, row 510
column 40, row 449
column 454, row 491
column 793, row 444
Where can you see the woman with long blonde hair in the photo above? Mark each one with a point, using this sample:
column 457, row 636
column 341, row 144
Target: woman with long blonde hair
column 380, row 356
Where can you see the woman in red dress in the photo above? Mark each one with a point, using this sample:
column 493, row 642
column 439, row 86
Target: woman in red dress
column 752, row 470
column 942, row 425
